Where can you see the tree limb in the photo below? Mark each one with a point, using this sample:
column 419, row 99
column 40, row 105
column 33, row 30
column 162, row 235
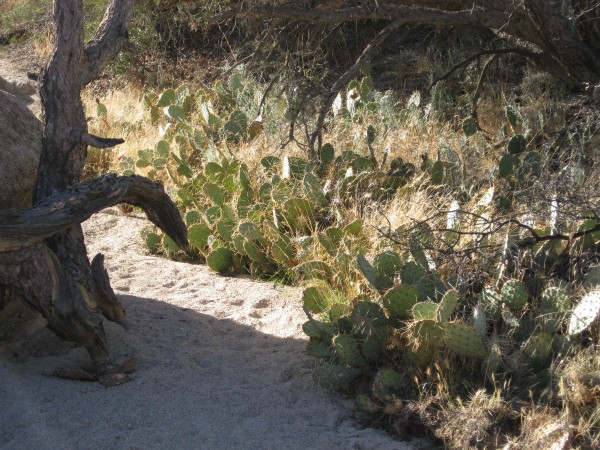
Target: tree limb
column 20, row 228
column 106, row 43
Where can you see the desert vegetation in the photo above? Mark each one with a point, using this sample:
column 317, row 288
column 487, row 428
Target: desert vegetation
column 427, row 171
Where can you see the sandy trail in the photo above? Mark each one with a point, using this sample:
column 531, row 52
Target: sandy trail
column 221, row 365
column 221, row 362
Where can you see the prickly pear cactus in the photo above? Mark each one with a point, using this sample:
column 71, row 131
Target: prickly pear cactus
column 425, row 310
column 555, row 305
column 514, row 294
column 381, row 274
column 348, row 349
column 220, row 259
column 385, row 384
column 334, row 376
column 399, row 301
column 464, row 340
column 592, row 278
column 446, row 307
column 585, row 313
column 538, row 349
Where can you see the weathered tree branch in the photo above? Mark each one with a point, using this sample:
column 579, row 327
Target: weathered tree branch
column 106, row 43
column 20, row 228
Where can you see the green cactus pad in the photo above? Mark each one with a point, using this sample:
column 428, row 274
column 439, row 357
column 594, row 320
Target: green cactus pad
column 192, row 217
column 318, row 348
column 198, row 235
column 327, row 243
column 514, row 294
column 283, row 252
column 464, row 340
column 354, row 228
column 412, row 273
column 169, row 245
column 313, row 189
column 299, row 213
column 470, row 126
column 339, row 310
column 386, row 384
column 152, row 241
column 538, row 349
column 314, row 299
column 255, row 253
column 337, row 377
column 374, row 344
column 214, row 193
column 314, row 270
column 225, row 228
column 585, row 313
column 348, row 349
column 490, row 299
column 271, row 163
column 424, row 310
column 592, row 278
column 372, row 312
column 316, row 329
column 517, row 145
column 220, row 259
column 418, row 254
column 555, row 305
column 251, row 232
column 446, row 307
column 400, row 300
column 507, row 165
column 426, row 332
column 386, row 264
column 327, row 153
column 419, row 356
column 368, row 271
column 365, row 404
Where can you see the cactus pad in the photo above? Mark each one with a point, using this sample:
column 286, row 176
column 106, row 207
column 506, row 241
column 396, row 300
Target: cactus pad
column 349, row 351
column 425, row 310
column 554, row 307
column 336, row 377
column 412, row 273
column 538, row 349
column 446, row 307
column 314, row 299
column 464, row 340
column 585, row 313
column 318, row 348
column 220, row 259
column 514, row 294
column 365, row 404
column 198, row 235
column 385, row 384
column 592, row 278
column 400, row 300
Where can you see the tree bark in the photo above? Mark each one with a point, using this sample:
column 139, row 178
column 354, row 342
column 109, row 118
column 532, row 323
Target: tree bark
column 43, row 257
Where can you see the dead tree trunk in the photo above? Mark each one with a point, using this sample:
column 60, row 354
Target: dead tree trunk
column 42, row 251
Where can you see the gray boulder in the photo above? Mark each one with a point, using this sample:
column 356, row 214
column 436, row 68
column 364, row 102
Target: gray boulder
column 20, row 146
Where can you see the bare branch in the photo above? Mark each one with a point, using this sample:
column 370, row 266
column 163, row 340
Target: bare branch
column 20, row 228
column 106, row 43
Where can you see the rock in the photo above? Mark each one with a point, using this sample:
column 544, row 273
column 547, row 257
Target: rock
column 20, row 146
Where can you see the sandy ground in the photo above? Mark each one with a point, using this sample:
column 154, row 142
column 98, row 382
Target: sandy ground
column 221, row 365
column 221, row 362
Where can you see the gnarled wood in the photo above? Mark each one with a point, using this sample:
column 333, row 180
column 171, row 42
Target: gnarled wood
column 20, row 228
column 43, row 258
